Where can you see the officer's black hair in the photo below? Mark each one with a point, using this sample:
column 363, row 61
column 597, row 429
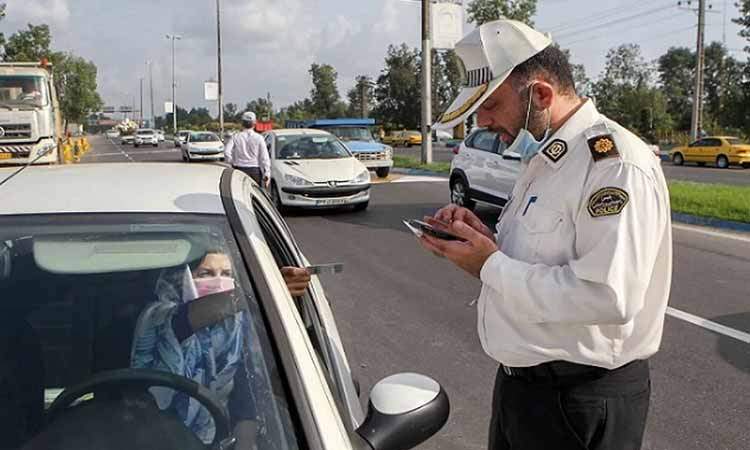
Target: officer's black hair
column 552, row 64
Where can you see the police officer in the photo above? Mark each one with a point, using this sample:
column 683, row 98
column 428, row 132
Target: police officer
column 247, row 151
column 575, row 280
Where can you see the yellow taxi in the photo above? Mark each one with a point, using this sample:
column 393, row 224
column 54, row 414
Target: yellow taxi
column 405, row 138
column 412, row 138
column 720, row 150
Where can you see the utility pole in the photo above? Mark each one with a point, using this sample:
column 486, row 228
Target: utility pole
column 140, row 112
column 695, row 123
column 151, row 91
column 221, row 88
column 426, row 84
column 173, row 37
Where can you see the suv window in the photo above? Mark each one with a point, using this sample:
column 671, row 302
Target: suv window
column 486, row 141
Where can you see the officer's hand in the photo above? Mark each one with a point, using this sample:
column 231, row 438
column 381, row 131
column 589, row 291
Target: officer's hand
column 296, row 279
column 266, row 182
column 469, row 255
column 453, row 213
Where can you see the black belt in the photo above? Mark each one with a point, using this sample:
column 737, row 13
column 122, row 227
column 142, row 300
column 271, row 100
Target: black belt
column 558, row 370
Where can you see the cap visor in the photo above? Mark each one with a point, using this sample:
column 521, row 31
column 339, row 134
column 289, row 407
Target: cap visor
column 467, row 102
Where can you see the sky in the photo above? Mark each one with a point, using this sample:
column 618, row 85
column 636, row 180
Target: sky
column 269, row 45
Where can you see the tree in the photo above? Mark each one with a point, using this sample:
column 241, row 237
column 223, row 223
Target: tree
column 397, row 89
column 676, row 76
column 326, row 101
column 483, row 11
column 364, row 85
column 75, row 83
column 231, row 112
column 32, row 44
column 261, row 107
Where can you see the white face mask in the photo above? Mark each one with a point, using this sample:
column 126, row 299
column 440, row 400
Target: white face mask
column 525, row 144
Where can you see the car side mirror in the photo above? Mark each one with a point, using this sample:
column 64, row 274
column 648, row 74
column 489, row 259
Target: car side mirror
column 404, row 410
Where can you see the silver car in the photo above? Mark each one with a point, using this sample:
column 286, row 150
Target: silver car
column 151, row 313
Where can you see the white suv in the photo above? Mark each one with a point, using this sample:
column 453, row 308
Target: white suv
column 482, row 170
column 146, row 136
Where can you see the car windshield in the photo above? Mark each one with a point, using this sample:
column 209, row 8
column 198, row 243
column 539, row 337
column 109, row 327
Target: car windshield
column 351, row 133
column 310, row 147
column 136, row 293
column 204, row 137
column 735, row 141
column 18, row 91
column 145, row 132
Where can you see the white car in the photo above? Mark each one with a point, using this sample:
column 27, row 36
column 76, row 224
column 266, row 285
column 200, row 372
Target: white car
column 203, row 146
column 113, row 134
column 146, row 136
column 98, row 353
column 127, row 139
column 160, row 135
column 314, row 169
column 482, row 170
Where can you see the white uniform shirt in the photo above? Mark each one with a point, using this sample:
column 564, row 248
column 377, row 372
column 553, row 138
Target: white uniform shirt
column 248, row 149
column 585, row 261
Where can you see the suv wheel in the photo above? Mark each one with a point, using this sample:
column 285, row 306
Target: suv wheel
column 460, row 193
column 722, row 162
column 678, row 159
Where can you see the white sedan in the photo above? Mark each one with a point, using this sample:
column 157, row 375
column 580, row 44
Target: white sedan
column 202, row 146
column 151, row 313
column 313, row 169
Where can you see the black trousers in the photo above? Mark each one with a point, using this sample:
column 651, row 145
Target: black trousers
column 253, row 172
column 604, row 412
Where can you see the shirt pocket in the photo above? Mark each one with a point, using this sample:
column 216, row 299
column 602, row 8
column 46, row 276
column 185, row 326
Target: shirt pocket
column 545, row 232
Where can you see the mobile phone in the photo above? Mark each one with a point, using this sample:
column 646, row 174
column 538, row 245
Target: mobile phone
column 428, row 229
column 329, row 269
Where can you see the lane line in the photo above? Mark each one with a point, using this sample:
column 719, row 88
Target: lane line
column 144, row 152
column 117, row 146
column 709, row 325
column 710, row 232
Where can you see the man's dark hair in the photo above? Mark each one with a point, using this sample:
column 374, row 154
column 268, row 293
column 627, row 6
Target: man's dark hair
column 551, row 64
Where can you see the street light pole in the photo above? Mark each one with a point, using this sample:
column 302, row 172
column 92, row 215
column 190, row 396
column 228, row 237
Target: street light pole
column 695, row 123
column 221, row 87
column 173, row 37
column 426, row 84
column 151, row 91
column 140, row 113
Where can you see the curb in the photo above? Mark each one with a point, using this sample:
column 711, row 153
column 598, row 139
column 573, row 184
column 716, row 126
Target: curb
column 419, row 172
column 711, row 222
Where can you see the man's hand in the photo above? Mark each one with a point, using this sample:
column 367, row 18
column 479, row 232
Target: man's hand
column 266, row 182
column 453, row 213
column 296, row 279
column 469, row 255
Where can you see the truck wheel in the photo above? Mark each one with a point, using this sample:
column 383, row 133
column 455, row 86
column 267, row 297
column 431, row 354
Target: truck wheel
column 678, row 159
column 460, row 193
column 722, row 162
column 383, row 172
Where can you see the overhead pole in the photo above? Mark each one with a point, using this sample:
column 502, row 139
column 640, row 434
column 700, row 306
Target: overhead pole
column 174, row 37
column 696, row 120
column 221, row 87
column 426, row 83
column 151, row 91
column 140, row 112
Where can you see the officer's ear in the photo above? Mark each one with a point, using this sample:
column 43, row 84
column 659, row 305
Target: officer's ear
column 543, row 95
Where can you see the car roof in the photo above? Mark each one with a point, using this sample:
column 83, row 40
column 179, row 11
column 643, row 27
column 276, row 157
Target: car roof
column 113, row 187
column 297, row 131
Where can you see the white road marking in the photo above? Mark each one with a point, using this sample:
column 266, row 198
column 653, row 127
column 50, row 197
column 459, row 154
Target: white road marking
column 710, row 232
column 709, row 325
column 117, row 146
column 420, row 179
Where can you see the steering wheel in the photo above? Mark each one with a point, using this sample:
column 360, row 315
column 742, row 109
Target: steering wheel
column 142, row 379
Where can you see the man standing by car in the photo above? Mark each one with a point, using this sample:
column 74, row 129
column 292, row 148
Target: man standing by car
column 247, row 151
column 576, row 280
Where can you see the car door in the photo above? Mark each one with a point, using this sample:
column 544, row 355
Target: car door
column 484, row 145
column 693, row 151
column 504, row 168
column 265, row 240
column 712, row 150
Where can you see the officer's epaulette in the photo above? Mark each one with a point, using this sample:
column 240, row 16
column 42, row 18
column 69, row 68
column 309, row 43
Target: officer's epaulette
column 603, row 146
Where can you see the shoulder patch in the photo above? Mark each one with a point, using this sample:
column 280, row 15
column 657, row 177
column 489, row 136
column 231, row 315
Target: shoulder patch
column 608, row 201
column 602, row 147
column 555, row 150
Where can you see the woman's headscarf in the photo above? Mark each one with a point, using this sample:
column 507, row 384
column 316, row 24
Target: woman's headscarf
column 210, row 357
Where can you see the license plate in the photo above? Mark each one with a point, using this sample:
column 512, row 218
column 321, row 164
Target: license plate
column 6, row 155
column 332, row 201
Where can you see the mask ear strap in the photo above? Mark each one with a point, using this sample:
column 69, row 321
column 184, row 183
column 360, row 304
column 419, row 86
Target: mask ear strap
column 528, row 109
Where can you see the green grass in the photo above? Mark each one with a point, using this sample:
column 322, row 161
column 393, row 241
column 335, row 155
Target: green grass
column 405, row 162
column 711, row 200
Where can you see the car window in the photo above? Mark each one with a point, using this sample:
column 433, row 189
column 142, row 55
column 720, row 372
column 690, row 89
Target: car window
column 86, row 294
column 713, row 142
column 485, row 140
column 323, row 146
column 734, row 141
column 699, row 143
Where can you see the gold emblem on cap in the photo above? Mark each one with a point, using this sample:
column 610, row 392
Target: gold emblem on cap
column 604, row 145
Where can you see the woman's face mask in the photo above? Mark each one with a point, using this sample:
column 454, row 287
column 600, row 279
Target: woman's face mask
column 213, row 285
column 525, row 144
